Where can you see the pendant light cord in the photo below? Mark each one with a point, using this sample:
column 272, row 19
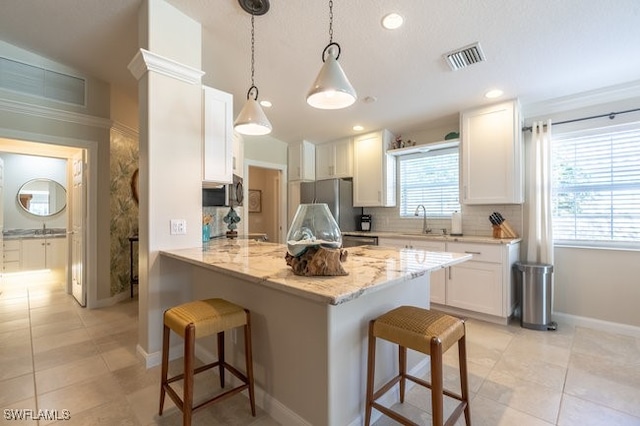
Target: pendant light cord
column 252, row 50
column 330, row 21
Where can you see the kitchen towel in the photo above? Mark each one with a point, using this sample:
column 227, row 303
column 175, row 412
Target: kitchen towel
column 456, row 223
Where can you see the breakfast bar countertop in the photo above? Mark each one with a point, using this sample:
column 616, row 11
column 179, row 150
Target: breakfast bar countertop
column 370, row 268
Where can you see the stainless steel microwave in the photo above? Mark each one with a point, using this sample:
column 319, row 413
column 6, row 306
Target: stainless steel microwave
column 224, row 195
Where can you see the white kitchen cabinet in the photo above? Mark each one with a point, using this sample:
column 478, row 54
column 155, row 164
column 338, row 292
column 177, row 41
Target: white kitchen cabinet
column 492, row 155
column 11, row 255
column 334, row 159
column 302, row 161
column 484, row 284
column 217, row 146
column 293, row 201
column 238, row 154
column 374, row 171
column 437, row 278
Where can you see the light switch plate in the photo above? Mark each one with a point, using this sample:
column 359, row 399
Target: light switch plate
column 178, row 227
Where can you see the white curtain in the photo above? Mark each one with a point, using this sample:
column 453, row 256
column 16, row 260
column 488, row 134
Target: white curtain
column 539, row 231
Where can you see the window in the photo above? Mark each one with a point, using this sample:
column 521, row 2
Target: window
column 431, row 179
column 596, row 187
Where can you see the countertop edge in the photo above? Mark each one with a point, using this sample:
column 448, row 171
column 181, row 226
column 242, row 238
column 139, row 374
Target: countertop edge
column 436, row 238
column 273, row 281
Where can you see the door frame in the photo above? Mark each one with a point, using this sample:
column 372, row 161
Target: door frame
column 91, row 230
column 282, row 219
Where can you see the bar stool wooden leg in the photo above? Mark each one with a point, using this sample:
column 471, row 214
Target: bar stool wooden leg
column 189, row 356
column 221, row 357
column 402, row 366
column 371, row 362
column 165, row 365
column 437, row 409
column 248, row 351
column 464, row 381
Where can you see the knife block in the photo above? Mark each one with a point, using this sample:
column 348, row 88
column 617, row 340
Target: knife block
column 504, row 230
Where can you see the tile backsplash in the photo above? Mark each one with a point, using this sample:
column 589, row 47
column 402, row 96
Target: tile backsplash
column 475, row 220
column 217, row 227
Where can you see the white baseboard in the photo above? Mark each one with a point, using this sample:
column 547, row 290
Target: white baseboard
column 110, row 301
column 596, row 324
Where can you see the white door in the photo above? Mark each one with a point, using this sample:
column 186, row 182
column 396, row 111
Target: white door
column 78, row 215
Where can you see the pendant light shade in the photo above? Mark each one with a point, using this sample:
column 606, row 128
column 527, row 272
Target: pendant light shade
column 252, row 120
column 332, row 89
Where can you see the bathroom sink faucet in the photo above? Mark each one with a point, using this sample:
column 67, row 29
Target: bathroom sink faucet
column 425, row 229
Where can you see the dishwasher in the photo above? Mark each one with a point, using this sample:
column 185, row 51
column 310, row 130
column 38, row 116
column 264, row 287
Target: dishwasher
column 359, row 240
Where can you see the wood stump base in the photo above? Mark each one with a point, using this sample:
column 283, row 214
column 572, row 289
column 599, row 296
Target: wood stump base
column 318, row 261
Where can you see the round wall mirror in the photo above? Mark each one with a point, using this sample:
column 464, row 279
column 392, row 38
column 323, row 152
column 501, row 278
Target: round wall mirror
column 42, row 197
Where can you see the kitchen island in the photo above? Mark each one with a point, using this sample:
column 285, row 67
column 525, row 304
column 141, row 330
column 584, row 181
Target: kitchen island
column 309, row 333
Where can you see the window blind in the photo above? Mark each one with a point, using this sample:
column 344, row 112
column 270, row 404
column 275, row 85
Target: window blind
column 596, row 187
column 430, row 179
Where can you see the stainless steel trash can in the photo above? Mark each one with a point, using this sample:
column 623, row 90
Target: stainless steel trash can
column 536, row 295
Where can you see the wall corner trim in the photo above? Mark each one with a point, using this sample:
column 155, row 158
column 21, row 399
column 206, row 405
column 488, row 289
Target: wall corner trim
column 145, row 61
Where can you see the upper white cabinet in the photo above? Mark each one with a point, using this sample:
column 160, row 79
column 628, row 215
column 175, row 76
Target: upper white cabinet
column 334, row 159
column 302, row 161
column 217, row 147
column 374, row 171
column 492, row 155
column 238, row 154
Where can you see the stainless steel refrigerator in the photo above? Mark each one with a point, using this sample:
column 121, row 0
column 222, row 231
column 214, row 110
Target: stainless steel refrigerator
column 338, row 195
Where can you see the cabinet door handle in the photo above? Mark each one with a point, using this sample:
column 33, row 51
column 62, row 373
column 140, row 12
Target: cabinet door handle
column 472, row 252
column 449, row 268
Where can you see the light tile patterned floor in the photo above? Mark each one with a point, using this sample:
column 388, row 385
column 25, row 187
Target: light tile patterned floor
column 56, row 355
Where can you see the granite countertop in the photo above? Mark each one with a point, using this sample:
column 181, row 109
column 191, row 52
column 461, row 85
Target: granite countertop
column 435, row 237
column 370, row 268
column 21, row 234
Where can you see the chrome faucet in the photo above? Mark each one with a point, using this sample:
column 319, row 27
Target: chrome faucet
column 425, row 230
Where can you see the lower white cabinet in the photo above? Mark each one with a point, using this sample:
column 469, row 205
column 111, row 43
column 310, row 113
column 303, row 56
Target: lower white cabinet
column 483, row 285
column 437, row 278
column 35, row 253
column 11, row 256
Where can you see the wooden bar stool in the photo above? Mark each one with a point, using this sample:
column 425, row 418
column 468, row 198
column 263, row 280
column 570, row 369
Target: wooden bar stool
column 199, row 319
column 425, row 331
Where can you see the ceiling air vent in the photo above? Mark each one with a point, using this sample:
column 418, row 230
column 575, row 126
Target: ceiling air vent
column 45, row 83
column 463, row 57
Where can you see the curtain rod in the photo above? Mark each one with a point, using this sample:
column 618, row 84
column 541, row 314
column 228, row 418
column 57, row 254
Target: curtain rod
column 611, row 116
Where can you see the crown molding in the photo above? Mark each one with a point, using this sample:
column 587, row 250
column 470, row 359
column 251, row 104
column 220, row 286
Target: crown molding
column 583, row 100
column 125, row 130
column 146, row 61
column 53, row 114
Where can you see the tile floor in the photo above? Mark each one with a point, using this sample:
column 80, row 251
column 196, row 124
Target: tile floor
column 56, row 355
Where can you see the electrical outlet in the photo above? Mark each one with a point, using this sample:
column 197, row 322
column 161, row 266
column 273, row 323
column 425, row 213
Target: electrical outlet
column 178, row 227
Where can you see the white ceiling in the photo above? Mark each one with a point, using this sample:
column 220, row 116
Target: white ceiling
column 536, row 50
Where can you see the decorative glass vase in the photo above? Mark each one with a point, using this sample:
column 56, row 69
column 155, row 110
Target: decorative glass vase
column 206, row 234
column 313, row 226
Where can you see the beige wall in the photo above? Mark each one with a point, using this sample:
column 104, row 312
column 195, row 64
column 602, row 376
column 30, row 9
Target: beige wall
column 265, row 149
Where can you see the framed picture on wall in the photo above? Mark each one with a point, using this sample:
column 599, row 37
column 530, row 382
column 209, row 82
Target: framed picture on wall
column 255, row 201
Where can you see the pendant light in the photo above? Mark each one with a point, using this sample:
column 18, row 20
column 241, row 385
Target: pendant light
column 252, row 120
column 332, row 89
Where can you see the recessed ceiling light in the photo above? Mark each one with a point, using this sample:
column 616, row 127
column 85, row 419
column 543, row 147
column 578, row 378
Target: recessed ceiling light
column 392, row 21
column 266, row 104
column 494, row 93
column 358, row 128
